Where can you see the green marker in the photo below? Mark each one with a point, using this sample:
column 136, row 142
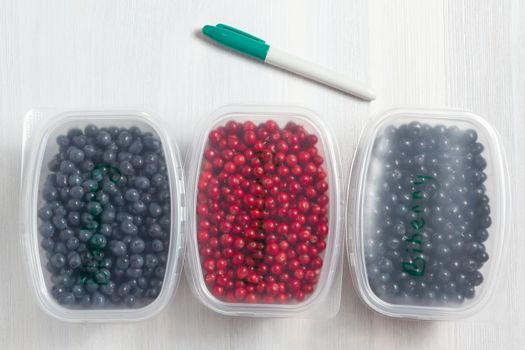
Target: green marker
column 257, row 48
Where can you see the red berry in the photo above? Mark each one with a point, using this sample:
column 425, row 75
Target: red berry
column 240, row 294
column 242, row 272
column 272, row 248
column 218, row 291
column 209, row 264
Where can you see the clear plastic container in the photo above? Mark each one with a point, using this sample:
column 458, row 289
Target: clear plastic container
column 96, row 249
column 428, row 202
column 251, row 246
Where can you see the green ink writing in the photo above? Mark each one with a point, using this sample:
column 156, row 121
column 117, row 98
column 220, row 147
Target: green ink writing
column 424, row 188
column 91, row 270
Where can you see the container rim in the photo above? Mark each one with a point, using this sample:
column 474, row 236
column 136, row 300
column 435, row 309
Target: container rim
column 332, row 252
column 38, row 128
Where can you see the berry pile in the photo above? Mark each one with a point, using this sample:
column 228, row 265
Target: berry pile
column 262, row 212
column 105, row 221
column 428, row 215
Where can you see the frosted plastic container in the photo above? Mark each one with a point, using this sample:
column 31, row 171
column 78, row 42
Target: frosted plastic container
column 428, row 202
column 40, row 146
column 328, row 276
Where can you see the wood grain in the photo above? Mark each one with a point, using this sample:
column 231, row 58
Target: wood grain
column 63, row 54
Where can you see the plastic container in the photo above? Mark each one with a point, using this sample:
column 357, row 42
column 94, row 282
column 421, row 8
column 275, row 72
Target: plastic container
column 229, row 300
column 40, row 147
column 422, row 241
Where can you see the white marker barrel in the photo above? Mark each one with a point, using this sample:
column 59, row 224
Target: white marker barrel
column 318, row 73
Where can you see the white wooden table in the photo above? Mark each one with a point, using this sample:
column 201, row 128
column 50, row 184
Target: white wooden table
column 74, row 54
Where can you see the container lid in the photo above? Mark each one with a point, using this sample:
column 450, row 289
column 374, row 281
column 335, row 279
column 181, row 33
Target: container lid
column 427, row 213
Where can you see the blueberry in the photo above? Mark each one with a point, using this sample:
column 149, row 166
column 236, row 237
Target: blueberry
column 142, row 282
column 59, row 222
column 124, row 156
column 74, row 204
column 98, row 300
column 102, row 198
column 157, row 245
column 106, row 230
column 78, row 290
column 90, row 185
column 142, row 182
column 108, row 216
column 128, row 227
column 151, row 260
column 132, row 195
column 66, row 234
column 124, row 289
column 97, row 241
column 87, row 165
column 46, row 229
column 74, row 260
column 108, row 288
column 157, row 180
column 94, row 208
column 50, row 193
column 58, row 260
column 139, row 208
column 151, row 168
column 91, row 130
column 133, row 272
column 124, row 139
column 60, row 248
column 62, row 140
column 76, row 192
column 74, row 132
column 109, row 156
column 126, row 167
column 152, row 293
column 85, row 235
column 130, row 300
column 481, row 256
column 76, row 155
column 475, row 278
column 137, row 246
column 137, row 162
column 103, row 138
column 164, row 196
column 89, row 151
column 90, row 285
column 155, row 210
column 136, row 147
column 122, row 262
column 45, row 212
column 67, row 299
column 85, row 300
column 165, row 222
column 48, row 244
column 151, row 143
column 136, row 261
column 118, row 248
column 67, row 167
column 53, row 164
column 72, row 243
column 102, row 276
column 159, row 272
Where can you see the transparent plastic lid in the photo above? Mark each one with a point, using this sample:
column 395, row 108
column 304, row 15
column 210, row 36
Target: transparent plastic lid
column 264, row 212
column 102, row 211
column 427, row 215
